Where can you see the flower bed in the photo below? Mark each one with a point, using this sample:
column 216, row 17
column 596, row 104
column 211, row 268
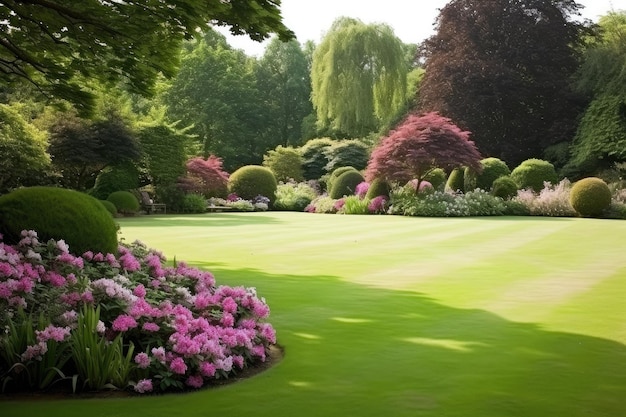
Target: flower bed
column 100, row 321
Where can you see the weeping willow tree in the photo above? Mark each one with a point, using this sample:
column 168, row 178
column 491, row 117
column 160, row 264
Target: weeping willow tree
column 358, row 77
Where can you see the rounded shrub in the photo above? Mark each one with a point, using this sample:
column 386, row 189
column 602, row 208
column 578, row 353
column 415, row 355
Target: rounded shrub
column 335, row 174
column 456, row 180
column 194, row 203
column 437, row 178
column 493, row 168
column 532, row 173
column 252, row 180
column 345, row 184
column 123, row 177
column 504, row 187
column 285, row 163
column 124, row 201
column 377, row 188
column 590, row 197
column 314, row 157
column 109, row 206
column 55, row 213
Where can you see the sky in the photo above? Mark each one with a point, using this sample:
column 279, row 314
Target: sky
column 411, row 20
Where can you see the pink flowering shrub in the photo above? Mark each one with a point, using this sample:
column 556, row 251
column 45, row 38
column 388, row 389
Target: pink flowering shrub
column 175, row 328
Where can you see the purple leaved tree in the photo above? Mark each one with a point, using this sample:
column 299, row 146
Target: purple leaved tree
column 420, row 144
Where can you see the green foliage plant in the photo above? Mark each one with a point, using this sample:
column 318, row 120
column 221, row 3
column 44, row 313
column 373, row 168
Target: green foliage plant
column 77, row 218
column 335, row 174
column 533, row 173
column 322, row 204
column 345, row 184
column 194, row 203
column 590, row 197
column 125, row 202
column 314, row 157
column 405, row 201
column 456, row 180
column 122, row 177
column 285, row 163
column 437, row 178
column 109, row 206
column 377, row 188
column 354, row 205
column 493, row 168
column 343, row 153
column 292, row 196
column 504, row 187
column 250, row 181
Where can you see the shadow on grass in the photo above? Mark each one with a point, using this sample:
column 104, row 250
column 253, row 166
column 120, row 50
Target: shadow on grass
column 358, row 351
column 199, row 220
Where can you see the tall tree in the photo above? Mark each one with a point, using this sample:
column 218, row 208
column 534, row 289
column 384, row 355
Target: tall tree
column 50, row 42
column 215, row 91
column 283, row 81
column 601, row 137
column 502, row 69
column 358, row 77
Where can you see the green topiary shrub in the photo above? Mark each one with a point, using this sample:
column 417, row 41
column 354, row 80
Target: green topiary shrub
column 55, row 213
column 437, row 178
column 504, row 187
column 493, row 168
column 314, row 157
column 532, row 173
column 378, row 187
column 117, row 178
column 109, row 206
column 343, row 153
column 345, row 184
column 335, row 174
column 456, row 180
column 253, row 180
column 125, row 202
column 590, row 197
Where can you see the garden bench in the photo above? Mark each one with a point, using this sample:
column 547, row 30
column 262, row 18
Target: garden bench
column 149, row 206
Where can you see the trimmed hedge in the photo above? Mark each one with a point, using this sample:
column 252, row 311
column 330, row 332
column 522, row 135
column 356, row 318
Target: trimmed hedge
column 456, row 180
column 124, row 201
column 253, row 180
column 493, row 168
column 590, row 197
column 532, row 173
column 345, row 184
column 55, row 213
column 378, row 187
column 504, row 187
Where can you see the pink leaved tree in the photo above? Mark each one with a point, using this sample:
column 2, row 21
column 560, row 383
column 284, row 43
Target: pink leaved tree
column 206, row 177
column 420, row 144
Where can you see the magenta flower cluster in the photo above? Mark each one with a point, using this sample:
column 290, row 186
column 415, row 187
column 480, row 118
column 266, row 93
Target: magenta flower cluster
column 185, row 329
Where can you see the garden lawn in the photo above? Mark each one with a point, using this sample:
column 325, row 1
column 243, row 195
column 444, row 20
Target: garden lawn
column 397, row 316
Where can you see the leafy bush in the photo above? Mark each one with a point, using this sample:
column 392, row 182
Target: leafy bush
column 377, row 188
column 590, row 197
column 285, row 163
column 205, row 177
column 124, row 201
column 437, row 178
column 292, row 196
column 504, row 187
column 122, row 319
column 123, row 177
column 194, row 203
column 456, row 180
column 444, row 204
column 110, row 207
column 79, row 219
column 314, row 157
column 553, row 200
column 171, row 195
column 322, row 204
column 354, row 205
column 493, row 168
column 343, row 153
column 345, row 184
column 335, row 174
column 252, row 180
column 532, row 174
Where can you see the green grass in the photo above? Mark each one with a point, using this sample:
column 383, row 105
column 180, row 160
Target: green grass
column 395, row 316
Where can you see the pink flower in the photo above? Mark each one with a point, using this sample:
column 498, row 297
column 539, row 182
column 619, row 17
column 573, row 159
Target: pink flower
column 207, row 369
column 142, row 360
column 238, row 360
column 129, row 262
column 259, row 350
column 123, row 323
column 195, row 381
column 52, row 332
column 178, row 366
column 361, row 189
column 35, row 352
column 229, row 305
column 150, row 327
column 159, row 353
column 143, row 386
column 62, row 246
column 339, row 204
column 227, row 320
column 378, row 204
column 140, row 291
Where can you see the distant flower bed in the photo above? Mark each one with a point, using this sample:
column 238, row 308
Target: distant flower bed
column 100, row 321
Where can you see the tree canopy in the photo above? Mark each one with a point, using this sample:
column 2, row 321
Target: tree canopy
column 420, row 144
column 502, row 69
column 358, row 77
column 56, row 43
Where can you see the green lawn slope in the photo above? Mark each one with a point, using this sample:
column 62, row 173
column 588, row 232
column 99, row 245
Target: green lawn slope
column 397, row 316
